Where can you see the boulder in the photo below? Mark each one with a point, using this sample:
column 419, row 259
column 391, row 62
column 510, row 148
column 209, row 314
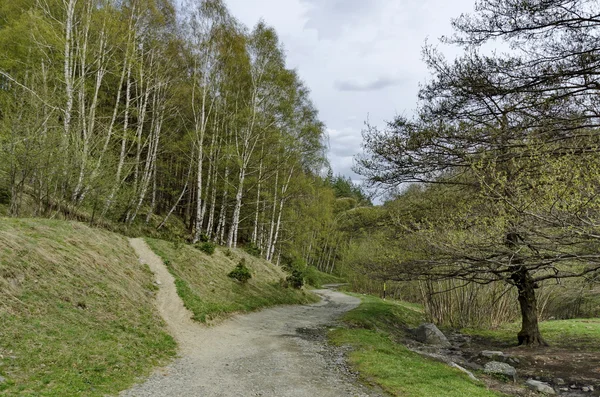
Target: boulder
column 491, row 354
column 2, row 379
column 429, row 334
column 469, row 373
column 539, row 386
column 498, row 368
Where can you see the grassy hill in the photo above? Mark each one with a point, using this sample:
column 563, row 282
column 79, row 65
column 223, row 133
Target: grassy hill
column 77, row 312
column 208, row 292
column 76, row 309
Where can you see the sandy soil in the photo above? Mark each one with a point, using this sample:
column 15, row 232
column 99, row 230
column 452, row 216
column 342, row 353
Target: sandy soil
column 276, row 352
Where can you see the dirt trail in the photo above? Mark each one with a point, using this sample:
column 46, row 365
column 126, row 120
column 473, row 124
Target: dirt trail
column 277, row 352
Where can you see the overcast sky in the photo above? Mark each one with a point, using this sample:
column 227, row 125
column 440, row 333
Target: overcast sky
column 360, row 58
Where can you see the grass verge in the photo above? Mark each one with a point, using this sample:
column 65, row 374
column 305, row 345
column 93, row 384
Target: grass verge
column 581, row 334
column 373, row 331
column 76, row 309
column 205, row 289
column 317, row 279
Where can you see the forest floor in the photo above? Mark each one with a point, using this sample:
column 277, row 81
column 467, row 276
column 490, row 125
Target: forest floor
column 276, row 352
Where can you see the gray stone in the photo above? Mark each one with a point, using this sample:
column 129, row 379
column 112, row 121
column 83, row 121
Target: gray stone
column 491, row 354
column 429, row 334
column 573, row 386
column 564, row 389
column 473, row 366
column 559, row 381
column 498, row 368
column 540, row 386
column 469, row 373
column 585, row 389
column 514, row 360
column 2, row 379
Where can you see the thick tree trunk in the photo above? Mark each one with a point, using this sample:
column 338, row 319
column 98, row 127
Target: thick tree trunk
column 530, row 333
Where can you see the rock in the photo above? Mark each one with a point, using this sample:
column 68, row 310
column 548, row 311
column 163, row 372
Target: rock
column 469, row 373
column 564, row 389
column 498, row 368
column 585, row 389
column 591, row 387
column 472, row 366
column 491, row 354
column 514, row 360
column 559, row 381
column 157, row 282
column 2, row 379
column 539, row 386
column 429, row 334
column 573, row 386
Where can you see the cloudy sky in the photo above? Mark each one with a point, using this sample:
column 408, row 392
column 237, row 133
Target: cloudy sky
column 360, row 58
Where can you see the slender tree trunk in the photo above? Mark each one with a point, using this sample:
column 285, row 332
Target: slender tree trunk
column 284, row 189
column 530, row 333
column 223, row 212
column 235, row 221
column 259, row 184
column 273, row 212
column 152, row 152
column 123, row 152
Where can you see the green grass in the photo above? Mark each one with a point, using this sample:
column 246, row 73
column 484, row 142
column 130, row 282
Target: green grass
column 317, row 279
column 205, row 289
column 77, row 311
column 576, row 333
column 373, row 331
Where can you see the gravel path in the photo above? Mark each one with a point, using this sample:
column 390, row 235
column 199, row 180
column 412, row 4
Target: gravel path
column 276, row 352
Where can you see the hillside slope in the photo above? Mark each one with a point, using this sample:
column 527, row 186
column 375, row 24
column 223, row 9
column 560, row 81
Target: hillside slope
column 208, row 292
column 76, row 309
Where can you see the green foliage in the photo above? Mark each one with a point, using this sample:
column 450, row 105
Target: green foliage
column 296, row 279
column 207, row 247
column 317, row 279
column 241, row 273
column 372, row 329
column 253, row 249
column 343, row 187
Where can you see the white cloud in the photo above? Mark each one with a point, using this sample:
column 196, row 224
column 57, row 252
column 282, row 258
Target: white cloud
column 375, row 85
column 360, row 58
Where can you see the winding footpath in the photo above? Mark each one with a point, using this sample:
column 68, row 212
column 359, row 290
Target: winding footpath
column 276, row 352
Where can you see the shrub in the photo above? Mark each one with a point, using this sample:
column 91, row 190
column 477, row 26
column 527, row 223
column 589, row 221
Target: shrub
column 228, row 253
column 312, row 277
column 253, row 250
column 241, row 273
column 206, row 247
column 296, row 279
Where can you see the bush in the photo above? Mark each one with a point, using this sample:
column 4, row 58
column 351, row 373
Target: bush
column 312, row 277
column 206, row 247
column 296, row 279
column 241, row 273
column 253, row 250
column 228, row 253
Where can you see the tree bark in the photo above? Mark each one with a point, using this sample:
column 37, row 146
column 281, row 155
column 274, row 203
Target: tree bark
column 530, row 333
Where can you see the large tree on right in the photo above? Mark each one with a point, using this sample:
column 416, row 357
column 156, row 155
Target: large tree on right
column 519, row 133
